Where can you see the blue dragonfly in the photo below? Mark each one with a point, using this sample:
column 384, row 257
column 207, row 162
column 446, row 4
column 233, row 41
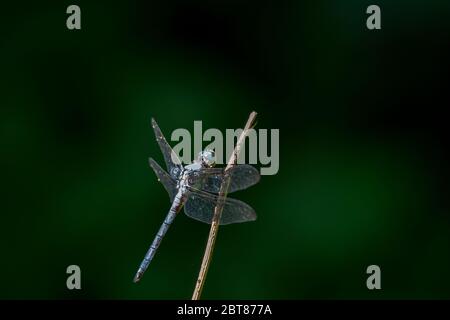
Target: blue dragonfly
column 195, row 187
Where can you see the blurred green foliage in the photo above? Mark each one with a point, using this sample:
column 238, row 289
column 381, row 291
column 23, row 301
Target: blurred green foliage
column 362, row 165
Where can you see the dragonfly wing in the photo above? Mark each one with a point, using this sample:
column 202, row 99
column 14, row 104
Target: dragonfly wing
column 169, row 184
column 242, row 177
column 200, row 206
column 173, row 163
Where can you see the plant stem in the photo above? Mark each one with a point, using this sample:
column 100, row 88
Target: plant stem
column 218, row 210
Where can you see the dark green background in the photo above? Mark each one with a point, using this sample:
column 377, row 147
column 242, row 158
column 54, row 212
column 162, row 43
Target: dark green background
column 363, row 173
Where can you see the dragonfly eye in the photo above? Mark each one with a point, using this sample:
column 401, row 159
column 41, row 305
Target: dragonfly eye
column 208, row 157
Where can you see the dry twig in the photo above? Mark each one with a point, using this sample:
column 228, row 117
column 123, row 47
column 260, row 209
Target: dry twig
column 218, row 210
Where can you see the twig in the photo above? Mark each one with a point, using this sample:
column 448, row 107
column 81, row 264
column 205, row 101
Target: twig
column 218, row 210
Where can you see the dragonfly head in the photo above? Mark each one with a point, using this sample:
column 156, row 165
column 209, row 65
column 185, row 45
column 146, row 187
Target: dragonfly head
column 207, row 158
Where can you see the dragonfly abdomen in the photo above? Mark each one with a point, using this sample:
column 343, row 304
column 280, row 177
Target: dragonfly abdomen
column 174, row 209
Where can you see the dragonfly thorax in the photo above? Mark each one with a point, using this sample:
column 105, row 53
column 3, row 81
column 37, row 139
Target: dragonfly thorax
column 176, row 171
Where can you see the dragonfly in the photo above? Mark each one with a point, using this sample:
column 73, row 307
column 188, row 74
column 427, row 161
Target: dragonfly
column 195, row 187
